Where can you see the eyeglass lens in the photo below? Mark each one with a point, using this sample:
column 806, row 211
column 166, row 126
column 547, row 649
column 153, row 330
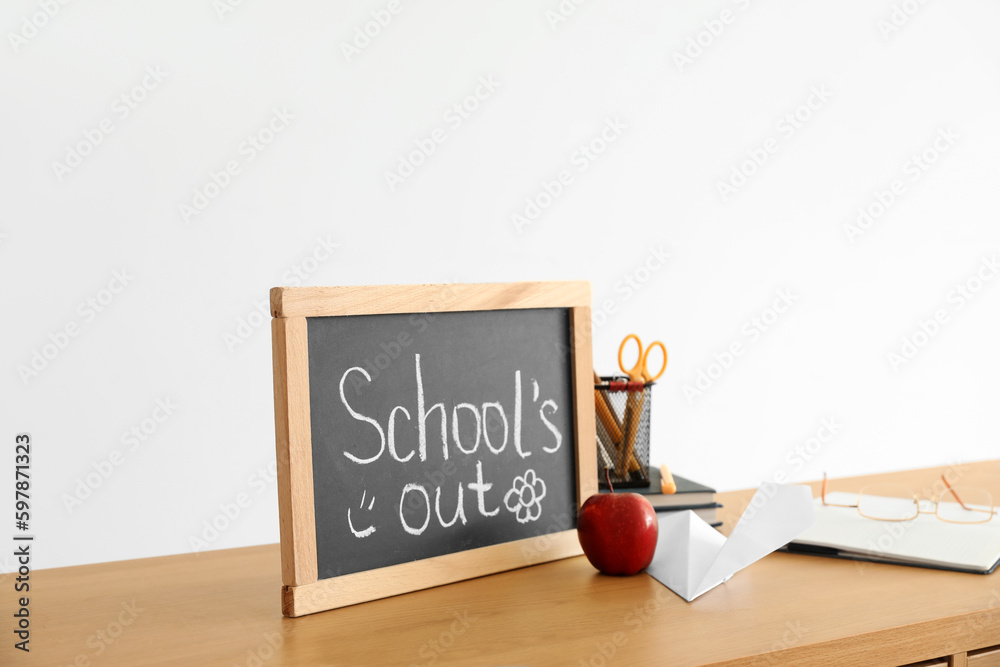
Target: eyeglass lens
column 965, row 505
column 887, row 502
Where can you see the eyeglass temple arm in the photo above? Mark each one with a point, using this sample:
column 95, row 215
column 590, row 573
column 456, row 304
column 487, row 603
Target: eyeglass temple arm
column 823, row 495
column 954, row 494
column 855, row 505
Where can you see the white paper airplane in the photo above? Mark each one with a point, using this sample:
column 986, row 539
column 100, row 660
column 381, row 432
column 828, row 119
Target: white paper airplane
column 693, row 558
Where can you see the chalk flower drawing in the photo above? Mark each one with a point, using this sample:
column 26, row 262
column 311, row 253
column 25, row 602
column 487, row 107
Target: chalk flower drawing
column 525, row 498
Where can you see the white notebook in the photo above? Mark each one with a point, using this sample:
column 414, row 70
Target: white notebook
column 925, row 541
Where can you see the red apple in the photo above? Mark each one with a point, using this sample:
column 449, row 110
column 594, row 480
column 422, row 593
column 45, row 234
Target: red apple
column 618, row 532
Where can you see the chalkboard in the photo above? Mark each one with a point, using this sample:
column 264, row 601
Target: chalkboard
column 427, row 434
column 410, row 415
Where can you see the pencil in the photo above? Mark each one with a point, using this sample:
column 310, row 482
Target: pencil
column 667, row 484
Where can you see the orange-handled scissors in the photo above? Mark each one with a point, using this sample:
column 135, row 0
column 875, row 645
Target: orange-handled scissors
column 640, row 372
column 633, row 406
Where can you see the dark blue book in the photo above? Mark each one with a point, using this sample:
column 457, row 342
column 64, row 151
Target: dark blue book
column 689, row 495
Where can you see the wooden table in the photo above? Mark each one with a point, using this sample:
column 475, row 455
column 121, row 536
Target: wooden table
column 222, row 608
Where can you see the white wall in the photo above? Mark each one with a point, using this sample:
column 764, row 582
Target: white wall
column 880, row 99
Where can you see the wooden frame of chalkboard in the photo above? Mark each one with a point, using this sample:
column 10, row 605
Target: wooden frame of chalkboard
column 304, row 312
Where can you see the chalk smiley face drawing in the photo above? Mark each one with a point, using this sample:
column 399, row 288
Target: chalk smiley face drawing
column 370, row 529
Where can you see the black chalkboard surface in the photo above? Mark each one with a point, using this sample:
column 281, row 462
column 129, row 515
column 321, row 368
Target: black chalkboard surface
column 438, row 433
column 427, row 434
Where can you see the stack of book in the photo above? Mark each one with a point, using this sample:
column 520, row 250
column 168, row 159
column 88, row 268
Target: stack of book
column 689, row 496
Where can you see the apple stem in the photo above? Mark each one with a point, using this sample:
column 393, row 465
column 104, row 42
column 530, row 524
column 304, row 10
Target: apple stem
column 607, row 477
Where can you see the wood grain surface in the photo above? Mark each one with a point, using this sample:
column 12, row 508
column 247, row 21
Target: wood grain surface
column 222, row 608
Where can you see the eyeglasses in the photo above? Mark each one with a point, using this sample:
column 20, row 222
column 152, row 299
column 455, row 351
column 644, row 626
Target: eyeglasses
column 888, row 502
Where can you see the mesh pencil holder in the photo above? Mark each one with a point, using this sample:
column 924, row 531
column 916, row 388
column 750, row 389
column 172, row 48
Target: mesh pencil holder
column 623, row 410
